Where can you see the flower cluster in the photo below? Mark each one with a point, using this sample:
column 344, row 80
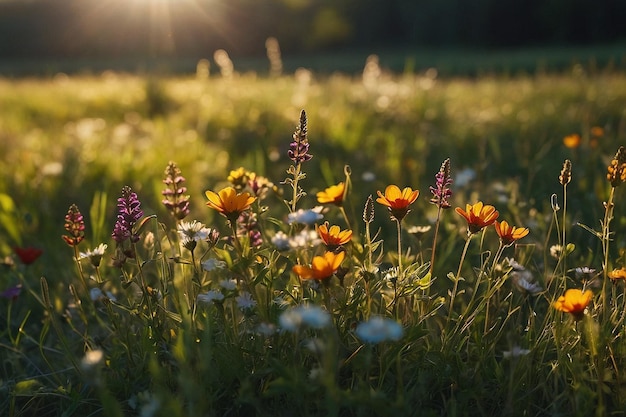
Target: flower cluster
column 75, row 226
column 616, row 171
column 129, row 213
column 299, row 147
column 441, row 191
column 175, row 201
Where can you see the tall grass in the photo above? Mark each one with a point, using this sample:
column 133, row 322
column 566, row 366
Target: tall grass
column 268, row 320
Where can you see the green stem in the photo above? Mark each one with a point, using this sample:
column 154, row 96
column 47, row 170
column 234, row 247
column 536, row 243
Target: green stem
column 458, row 275
column 606, row 235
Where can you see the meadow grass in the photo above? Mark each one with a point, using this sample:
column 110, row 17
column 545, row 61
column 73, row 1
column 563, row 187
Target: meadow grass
column 246, row 311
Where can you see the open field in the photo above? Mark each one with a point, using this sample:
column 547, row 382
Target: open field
column 180, row 324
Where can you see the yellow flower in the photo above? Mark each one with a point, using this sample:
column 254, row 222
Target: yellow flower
column 572, row 141
column 333, row 194
column 239, row 178
column 228, row 202
column 333, row 237
column 322, row 267
column 618, row 274
column 397, row 201
column 478, row 216
column 509, row 234
column 574, row 301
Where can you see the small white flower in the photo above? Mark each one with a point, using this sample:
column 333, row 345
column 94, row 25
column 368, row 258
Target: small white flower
column 213, row 264
column 379, row 329
column 228, row 284
column 315, row 345
column 308, row 217
column 91, row 359
column 523, row 280
column 281, row 241
column 245, row 301
column 584, row 272
column 464, row 177
column 555, row 251
column 305, row 315
column 209, row 297
column 97, row 294
column 266, row 329
column 192, row 231
column 95, row 255
column 515, row 352
column 305, row 239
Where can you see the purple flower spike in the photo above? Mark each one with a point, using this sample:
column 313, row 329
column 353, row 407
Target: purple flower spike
column 299, row 148
column 129, row 212
column 441, row 191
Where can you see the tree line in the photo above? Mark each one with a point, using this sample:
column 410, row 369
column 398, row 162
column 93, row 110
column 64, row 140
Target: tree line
column 195, row 28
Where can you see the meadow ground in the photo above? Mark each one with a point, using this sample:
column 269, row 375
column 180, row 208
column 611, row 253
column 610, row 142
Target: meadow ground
column 234, row 297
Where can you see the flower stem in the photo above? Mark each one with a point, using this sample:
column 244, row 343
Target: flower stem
column 457, row 277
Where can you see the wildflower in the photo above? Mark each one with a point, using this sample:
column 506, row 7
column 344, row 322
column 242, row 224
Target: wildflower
column 28, row 255
column 259, row 185
column 308, row 217
column 247, row 225
column 239, row 178
column 97, row 294
column 229, row 203
column 618, row 274
column 304, row 315
column 616, row 171
column 191, row 233
column 522, row 278
column 397, row 201
column 12, row 292
column 299, row 148
column 441, row 191
column 95, row 255
column 266, row 329
column 556, row 251
column 304, row 239
column 574, row 301
column 91, row 359
column 333, row 237
column 281, row 241
column 515, row 352
column 509, row 234
column 333, row 194
column 176, row 202
column 478, row 216
column 572, row 141
column 245, row 301
column 597, row 131
column 129, row 212
column 379, row 329
column 464, row 177
column 209, row 297
column 419, row 231
column 228, row 284
column 213, row 264
column 566, row 173
column 75, row 226
column 322, row 267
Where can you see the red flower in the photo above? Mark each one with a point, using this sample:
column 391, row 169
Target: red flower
column 28, row 255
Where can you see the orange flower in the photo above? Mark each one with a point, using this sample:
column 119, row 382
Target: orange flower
column 333, row 194
column 618, row 274
column 572, row 141
column 478, row 216
column 574, row 302
column 397, row 201
column 333, row 237
column 322, row 267
column 228, row 202
column 597, row 131
column 509, row 234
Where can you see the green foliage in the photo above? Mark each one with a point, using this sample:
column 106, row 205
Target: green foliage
column 181, row 323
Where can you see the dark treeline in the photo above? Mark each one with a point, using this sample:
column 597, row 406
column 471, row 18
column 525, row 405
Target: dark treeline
column 195, row 28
